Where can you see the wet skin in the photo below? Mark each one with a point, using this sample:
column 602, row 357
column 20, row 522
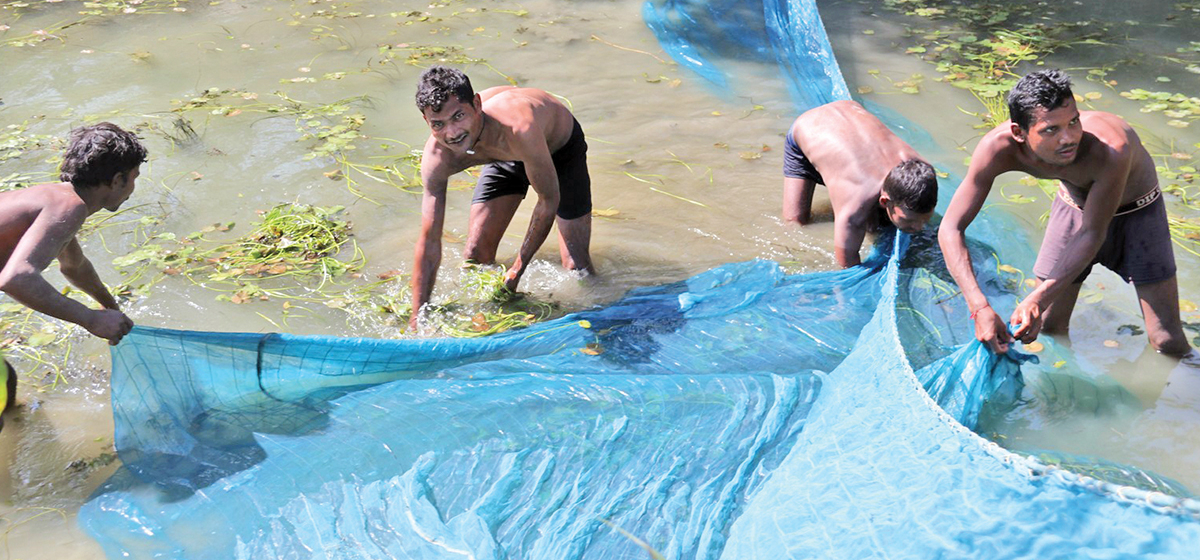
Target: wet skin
column 1097, row 158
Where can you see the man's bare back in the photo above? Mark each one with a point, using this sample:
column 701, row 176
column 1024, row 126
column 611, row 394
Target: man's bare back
column 19, row 210
column 856, row 157
column 853, row 150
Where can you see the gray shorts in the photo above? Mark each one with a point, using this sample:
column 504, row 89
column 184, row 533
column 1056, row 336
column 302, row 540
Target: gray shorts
column 1137, row 247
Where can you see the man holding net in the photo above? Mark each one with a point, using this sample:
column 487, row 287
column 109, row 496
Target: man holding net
column 1109, row 210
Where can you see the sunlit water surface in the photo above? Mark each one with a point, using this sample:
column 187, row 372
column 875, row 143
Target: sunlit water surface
column 689, row 179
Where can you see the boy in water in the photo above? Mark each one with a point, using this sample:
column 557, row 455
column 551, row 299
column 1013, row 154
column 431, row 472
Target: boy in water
column 522, row 137
column 874, row 178
column 1109, row 210
column 38, row 224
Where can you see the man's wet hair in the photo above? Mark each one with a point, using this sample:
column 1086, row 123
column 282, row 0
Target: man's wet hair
column 438, row 83
column 913, row 185
column 1048, row 89
column 97, row 153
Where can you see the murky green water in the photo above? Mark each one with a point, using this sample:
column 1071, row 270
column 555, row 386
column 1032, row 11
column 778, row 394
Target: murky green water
column 686, row 179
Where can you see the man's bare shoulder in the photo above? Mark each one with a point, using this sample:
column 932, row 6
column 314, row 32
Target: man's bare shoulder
column 1112, row 130
column 438, row 164
column 997, row 148
column 513, row 105
column 59, row 197
column 55, row 204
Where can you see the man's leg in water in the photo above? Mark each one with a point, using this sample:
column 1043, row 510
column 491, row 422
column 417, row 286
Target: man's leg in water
column 1056, row 319
column 1160, row 308
column 574, row 239
column 486, row 227
column 797, row 200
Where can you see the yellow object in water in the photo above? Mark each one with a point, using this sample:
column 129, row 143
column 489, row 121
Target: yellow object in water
column 8, row 386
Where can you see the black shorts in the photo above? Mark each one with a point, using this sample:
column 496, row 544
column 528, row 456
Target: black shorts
column 503, row 178
column 796, row 165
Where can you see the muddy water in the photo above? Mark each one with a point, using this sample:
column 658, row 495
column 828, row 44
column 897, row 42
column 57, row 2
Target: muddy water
column 689, row 178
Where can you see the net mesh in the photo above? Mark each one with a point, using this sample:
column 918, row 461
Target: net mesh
column 742, row 413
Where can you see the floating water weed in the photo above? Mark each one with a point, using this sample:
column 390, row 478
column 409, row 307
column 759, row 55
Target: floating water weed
column 292, row 240
column 980, row 47
column 39, row 344
column 15, row 141
column 488, row 307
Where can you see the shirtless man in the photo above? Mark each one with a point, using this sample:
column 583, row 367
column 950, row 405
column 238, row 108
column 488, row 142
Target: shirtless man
column 873, row 177
column 39, row 223
column 1109, row 210
column 522, row 137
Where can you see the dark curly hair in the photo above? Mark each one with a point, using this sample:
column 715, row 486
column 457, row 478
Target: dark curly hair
column 98, row 153
column 438, row 83
column 913, row 185
column 1048, row 89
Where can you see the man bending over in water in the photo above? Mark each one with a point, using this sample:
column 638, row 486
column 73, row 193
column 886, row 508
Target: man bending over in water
column 873, row 177
column 522, row 137
column 39, row 223
column 1109, row 210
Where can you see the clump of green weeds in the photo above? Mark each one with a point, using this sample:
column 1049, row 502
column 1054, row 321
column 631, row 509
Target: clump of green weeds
column 292, row 240
column 489, row 307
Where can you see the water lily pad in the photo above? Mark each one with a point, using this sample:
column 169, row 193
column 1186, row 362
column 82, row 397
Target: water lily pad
column 1132, row 330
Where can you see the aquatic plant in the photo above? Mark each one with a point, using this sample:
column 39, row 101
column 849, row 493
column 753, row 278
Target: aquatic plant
column 16, row 141
column 980, row 47
column 39, row 344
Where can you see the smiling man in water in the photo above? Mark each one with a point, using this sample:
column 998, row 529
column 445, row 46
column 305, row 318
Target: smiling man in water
column 1109, row 210
column 523, row 137
column 874, row 178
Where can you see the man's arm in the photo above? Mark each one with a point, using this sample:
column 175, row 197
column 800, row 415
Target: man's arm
column 849, row 229
column 428, row 254
column 49, row 234
column 952, row 237
column 1103, row 199
column 543, row 177
column 797, row 200
column 78, row 270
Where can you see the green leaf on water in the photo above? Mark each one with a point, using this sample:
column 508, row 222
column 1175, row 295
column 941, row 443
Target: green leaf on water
column 40, row 338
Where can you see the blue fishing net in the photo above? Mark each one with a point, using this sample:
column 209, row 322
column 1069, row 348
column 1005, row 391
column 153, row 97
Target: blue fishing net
column 710, row 36
column 743, row 413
